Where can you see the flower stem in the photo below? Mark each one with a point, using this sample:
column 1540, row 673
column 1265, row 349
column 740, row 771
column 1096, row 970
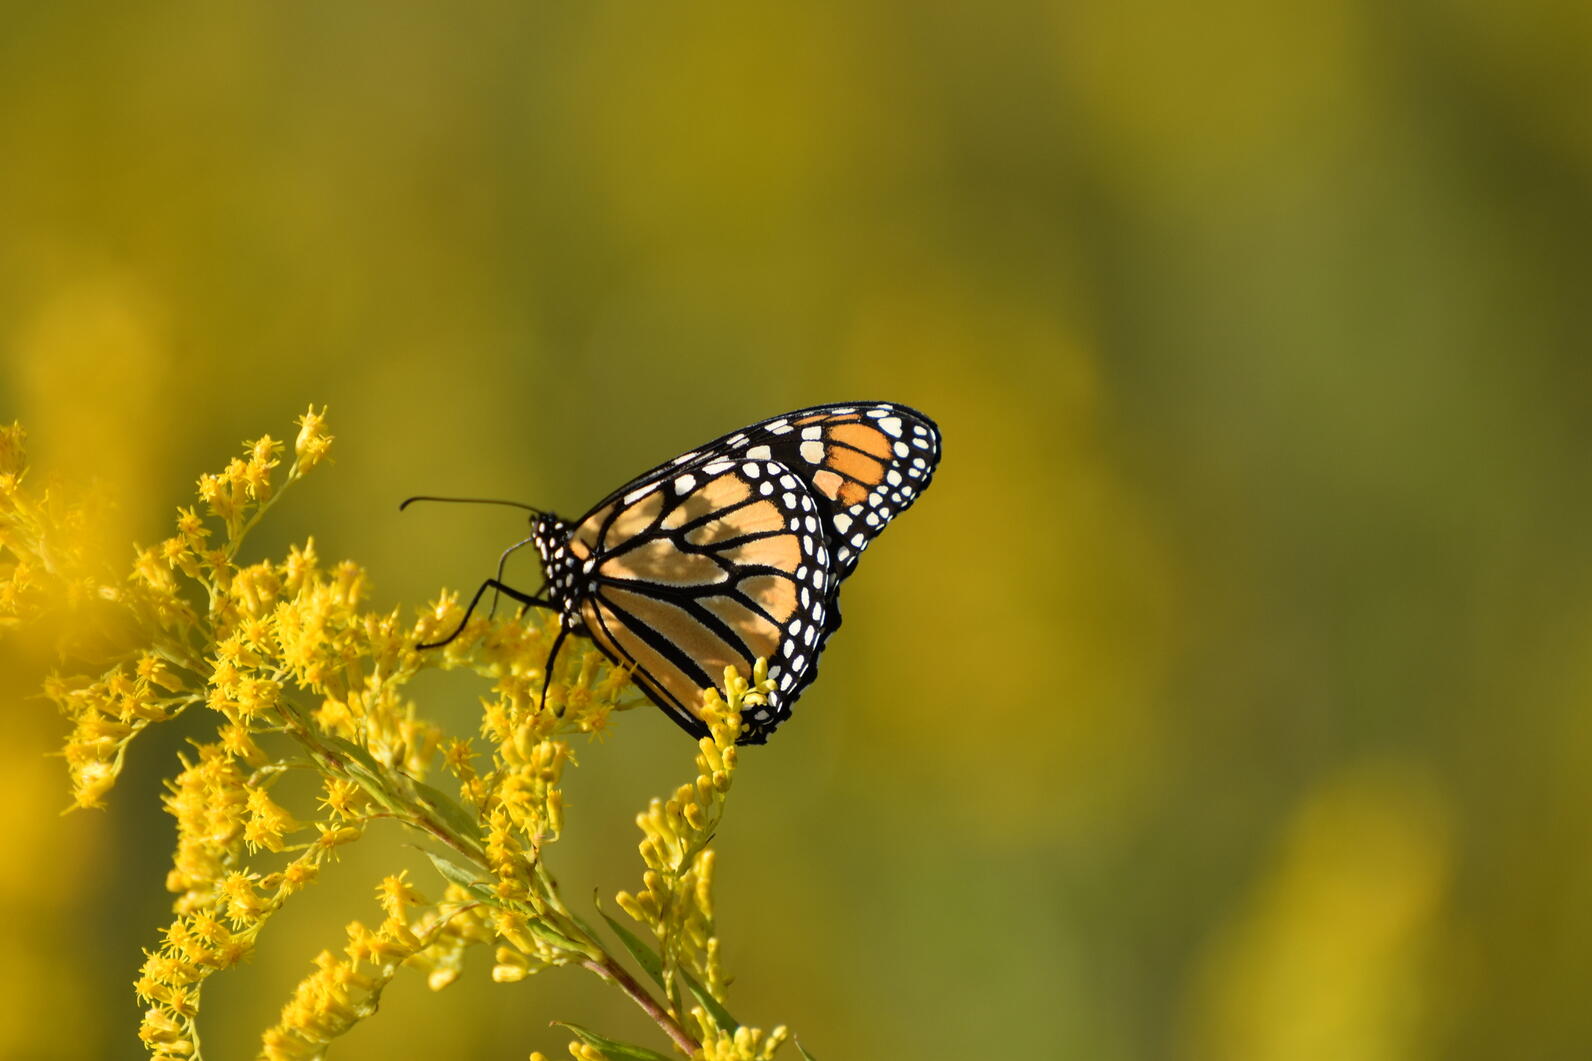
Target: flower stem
column 616, row 974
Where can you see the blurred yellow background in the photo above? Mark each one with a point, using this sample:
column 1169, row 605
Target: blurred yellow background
column 1227, row 696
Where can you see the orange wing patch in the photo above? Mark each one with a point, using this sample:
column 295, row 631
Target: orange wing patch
column 659, row 677
column 709, row 651
column 583, row 541
column 775, row 594
column 632, row 521
column 724, row 492
column 782, row 551
column 759, row 518
column 760, row 635
column 832, row 486
column 854, row 465
column 868, row 439
column 659, row 560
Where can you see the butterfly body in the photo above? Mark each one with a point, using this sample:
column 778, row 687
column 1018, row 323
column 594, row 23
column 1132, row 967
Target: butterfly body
column 735, row 551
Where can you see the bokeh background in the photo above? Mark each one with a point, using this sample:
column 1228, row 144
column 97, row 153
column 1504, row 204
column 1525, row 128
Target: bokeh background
column 1227, row 697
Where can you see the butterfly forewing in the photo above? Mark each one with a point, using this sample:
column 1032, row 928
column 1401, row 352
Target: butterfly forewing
column 715, row 564
column 866, row 461
column 869, row 461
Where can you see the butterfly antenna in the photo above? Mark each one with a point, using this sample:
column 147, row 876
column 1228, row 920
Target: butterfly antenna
column 497, row 582
column 469, row 501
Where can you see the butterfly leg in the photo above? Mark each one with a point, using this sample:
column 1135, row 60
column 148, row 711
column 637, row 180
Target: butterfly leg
column 552, row 658
column 497, row 586
column 503, row 560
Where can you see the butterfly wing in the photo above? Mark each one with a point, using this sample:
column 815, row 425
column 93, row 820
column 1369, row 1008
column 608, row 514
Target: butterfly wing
column 868, row 461
column 704, row 565
column 865, row 462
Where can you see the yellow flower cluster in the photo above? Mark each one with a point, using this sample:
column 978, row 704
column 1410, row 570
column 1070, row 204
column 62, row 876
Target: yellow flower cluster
column 742, row 1044
column 519, row 797
column 297, row 674
column 42, row 564
column 676, row 900
column 343, row 991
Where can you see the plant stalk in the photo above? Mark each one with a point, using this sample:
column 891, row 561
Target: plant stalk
column 612, row 971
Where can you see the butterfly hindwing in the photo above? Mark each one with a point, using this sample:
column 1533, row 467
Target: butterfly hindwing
column 715, row 565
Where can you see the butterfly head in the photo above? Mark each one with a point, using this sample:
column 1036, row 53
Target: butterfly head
column 564, row 569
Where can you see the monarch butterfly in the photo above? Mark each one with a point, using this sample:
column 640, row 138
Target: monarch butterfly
column 731, row 552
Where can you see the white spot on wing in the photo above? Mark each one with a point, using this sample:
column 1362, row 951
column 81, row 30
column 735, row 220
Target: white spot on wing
column 761, row 453
column 638, row 493
column 812, row 452
column 684, row 484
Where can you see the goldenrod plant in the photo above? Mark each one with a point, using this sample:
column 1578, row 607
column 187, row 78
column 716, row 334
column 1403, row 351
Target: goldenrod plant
column 298, row 674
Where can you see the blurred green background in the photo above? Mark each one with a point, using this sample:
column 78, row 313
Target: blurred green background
column 1227, row 697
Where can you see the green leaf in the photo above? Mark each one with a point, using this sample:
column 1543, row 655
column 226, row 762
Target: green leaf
column 648, row 959
column 714, row 1007
column 614, row 1051
column 645, row 956
column 354, row 752
column 800, row 1049
column 581, row 924
column 461, row 821
column 466, row 878
column 364, row 771
column 558, row 939
column 454, row 873
column 471, row 881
